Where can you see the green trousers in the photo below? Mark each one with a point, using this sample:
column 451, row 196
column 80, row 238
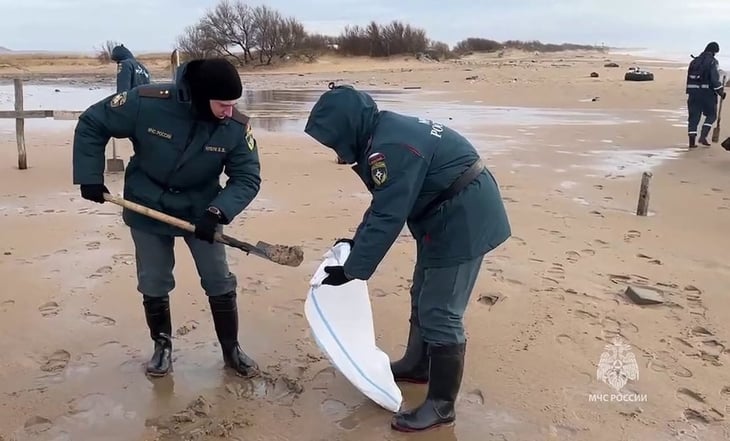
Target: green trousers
column 155, row 257
column 439, row 297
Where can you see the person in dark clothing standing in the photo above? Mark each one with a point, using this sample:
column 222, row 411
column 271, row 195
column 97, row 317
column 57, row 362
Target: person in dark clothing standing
column 703, row 88
column 185, row 134
column 130, row 72
column 427, row 176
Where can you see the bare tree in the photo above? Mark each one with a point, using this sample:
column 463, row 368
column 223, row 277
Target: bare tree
column 194, row 43
column 383, row 41
column 266, row 32
column 229, row 26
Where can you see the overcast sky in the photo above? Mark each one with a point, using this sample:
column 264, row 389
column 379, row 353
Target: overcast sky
column 153, row 25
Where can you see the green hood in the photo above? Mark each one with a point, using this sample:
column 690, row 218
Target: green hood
column 343, row 119
column 121, row 53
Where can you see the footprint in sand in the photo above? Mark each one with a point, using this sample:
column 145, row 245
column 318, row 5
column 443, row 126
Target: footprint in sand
column 49, row 309
column 572, row 256
column 96, row 319
column 377, row 292
column 124, row 259
column 694, row 300
column 518, row 240
column 101, row 272
column 600, row 243
column 556, row 271
column 322, row 379
column 554, row 233
column 631, row 235
column 93, row 245
column 475, row 396
column 56, row 361
column 36, row 425
column 334, row 409
column 7, row 304
column 725, row 393
column 554, row 274
column 496, row 272
column 666, row 362
column 651, row 260
column 698, row 409
column 685, row 395
column 564, row 339
column 490, row 299
column 705, row 345
column 704, row 416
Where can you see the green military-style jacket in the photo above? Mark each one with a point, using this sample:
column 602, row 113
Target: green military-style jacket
column 406, row 162
column 177, row 160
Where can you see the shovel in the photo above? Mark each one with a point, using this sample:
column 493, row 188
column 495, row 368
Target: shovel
column 281, row 254
column 716, row 130
column 115, row 164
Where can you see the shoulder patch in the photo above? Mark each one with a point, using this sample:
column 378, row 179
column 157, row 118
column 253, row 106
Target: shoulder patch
column 239, row 117
column 250, row 140
column 119, row 99
column 375, row 157
column 378, row 169
column 155, row 92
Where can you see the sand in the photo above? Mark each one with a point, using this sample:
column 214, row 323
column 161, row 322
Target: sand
column 547, row 303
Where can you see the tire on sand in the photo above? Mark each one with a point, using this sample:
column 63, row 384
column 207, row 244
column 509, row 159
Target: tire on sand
column 639, row 76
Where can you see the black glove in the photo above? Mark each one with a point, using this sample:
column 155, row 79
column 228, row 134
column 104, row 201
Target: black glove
column 347, row 241
column 722, row 94
column 336, row 276
column 206, row 226
column 94, row 192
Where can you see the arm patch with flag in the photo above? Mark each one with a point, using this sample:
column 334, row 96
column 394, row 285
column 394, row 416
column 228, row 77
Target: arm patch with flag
column 250, row 140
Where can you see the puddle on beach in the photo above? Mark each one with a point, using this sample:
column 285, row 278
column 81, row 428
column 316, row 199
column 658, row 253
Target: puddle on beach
column 286, row 110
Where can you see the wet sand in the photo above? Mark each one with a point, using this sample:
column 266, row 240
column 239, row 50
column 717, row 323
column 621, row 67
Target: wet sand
column 546, row 304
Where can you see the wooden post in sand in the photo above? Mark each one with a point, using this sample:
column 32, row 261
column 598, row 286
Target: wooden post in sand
column 174, row 63
column 19, row 114
column 642, row 208
column 20, row 124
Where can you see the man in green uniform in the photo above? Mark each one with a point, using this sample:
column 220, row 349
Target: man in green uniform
column 130, row 72
column 184, row 136
column 426, row 175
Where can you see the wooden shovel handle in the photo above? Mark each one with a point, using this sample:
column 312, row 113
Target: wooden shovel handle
column 154, row 214
column 283, row 255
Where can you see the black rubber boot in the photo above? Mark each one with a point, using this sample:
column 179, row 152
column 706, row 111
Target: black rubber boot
column 703, row 135
column 157, row 313
column 692, row 143
column 225, row 318
column 413, row 367
column 446, row 370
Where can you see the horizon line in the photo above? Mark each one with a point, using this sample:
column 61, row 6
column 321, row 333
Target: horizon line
column 8, row 51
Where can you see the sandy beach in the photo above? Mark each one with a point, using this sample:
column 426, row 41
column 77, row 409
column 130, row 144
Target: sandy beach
column 568, row 151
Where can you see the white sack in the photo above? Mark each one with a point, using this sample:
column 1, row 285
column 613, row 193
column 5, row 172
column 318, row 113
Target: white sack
column 341, row 321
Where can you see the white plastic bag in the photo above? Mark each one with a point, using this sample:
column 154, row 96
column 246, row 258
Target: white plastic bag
column 341, row 320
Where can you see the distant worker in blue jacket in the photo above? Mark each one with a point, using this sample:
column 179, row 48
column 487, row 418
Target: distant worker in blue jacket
column 703, row 87
column 130, row 72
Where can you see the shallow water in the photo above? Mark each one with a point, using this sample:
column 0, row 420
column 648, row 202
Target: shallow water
column 286, row 110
